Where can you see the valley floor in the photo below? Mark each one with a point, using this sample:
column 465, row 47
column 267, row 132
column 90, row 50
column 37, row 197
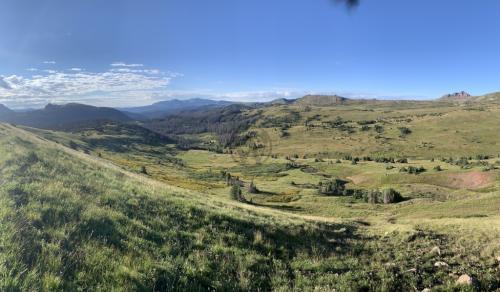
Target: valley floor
column 77, row 213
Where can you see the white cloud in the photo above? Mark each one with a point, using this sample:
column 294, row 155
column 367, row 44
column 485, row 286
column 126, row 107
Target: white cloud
column 32, row 69
column 174, row 74
column 50, row 71
column 122, row 64
column 238, row 96
column 78, row 86
column 49, row 62
column 4, row 84
column 264, row 95
column 76, row 69
column 128, row 70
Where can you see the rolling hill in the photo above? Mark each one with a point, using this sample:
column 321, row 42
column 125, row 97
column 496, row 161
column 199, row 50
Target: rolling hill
column 71, row 220
column 64, row 116
column 5, row 111
column 461, row 96
column 168, row 107
column 464, row 97
column 321, row 100
column 115, row 205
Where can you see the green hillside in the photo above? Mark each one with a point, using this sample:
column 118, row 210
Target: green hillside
column 437, row 129
column 73, row 220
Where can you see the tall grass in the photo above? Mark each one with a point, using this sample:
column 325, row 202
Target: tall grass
column 67, row 224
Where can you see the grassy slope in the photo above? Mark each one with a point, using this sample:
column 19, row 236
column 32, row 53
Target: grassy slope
column 70, row 221
column 439, row 129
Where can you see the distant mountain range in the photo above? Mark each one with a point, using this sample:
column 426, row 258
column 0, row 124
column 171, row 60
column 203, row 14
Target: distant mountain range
column 321, row 100
column 461, row 96
column 61, row 116
column 464, row 97
column 5, row 111
column 332, row 100
column 74, row 114
column 167, row 107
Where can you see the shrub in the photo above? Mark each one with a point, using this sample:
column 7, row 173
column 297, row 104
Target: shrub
column 144, row 170
column 413, row 169
column 489, row 167
column 292, row 165
column 379, row 129
column 284, row 133
column 236, row 194
column 73, row 145
column 334, row 187
column 373, row 196
column 366, row 122
column 438, row 168
column 386, row 196
column 233, row 180
column 358, row 194
column 462, row 161
column 404, row 131
column 482, row 157
column 390, row 196
column 384, row 160
column 252, row 188
column 32, row 158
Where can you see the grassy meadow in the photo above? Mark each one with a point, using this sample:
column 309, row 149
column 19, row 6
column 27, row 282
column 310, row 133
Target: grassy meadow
column 119, row 208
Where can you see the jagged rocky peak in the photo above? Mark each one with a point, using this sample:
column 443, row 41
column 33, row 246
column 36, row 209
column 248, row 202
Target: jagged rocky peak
column 457, row 96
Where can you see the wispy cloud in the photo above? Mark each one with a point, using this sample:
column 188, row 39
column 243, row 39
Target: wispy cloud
column 122, row 64
column 49, row 62
column 238, row 96
column 4, row 84
column 272, row 94
column 77, row 86
column 75, row 69
column 32, row 69
column 128, row 70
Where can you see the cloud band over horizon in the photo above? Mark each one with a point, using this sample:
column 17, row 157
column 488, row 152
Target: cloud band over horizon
column 77, row 85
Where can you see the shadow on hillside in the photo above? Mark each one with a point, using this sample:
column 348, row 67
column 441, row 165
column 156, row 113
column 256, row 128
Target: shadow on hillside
column 127, row 222
column 279, row 207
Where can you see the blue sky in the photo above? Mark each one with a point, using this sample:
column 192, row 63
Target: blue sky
column 123, row 52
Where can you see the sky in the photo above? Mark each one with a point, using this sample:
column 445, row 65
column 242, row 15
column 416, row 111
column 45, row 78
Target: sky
column 127, row 53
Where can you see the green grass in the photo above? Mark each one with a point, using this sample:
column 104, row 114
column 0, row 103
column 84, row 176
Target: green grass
column 72, row 220
column 67, row 224
column 437, row 130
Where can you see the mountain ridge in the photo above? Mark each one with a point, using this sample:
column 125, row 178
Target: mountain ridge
column 460, row 96
column 54, row 116
column 321, row 100
column 4, row 110
column 166, row 107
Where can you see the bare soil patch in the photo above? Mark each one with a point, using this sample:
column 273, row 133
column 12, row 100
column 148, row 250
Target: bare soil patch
column 470, row 180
